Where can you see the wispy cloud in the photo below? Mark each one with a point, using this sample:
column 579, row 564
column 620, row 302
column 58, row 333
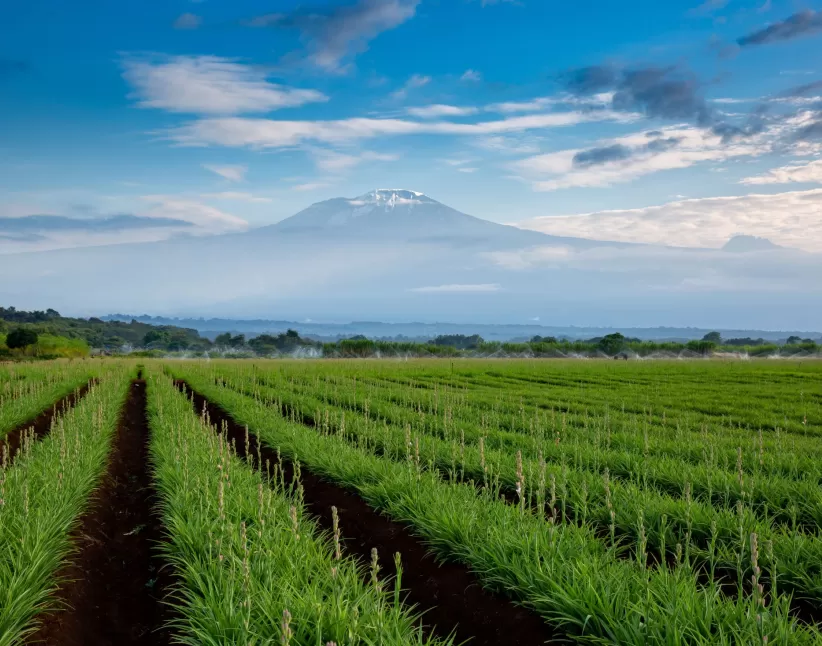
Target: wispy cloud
column 471, row 76
column 810, row 172
column 414, row 82
column 804, row 23
column 627, row 158
column 439, row 110
column 310, row 186
column 267, row 133
column 330, row 161
column 209, row 85
column 335, row 35
column 231, row 173
column 792, row 219
column 597, row 100
column 236, row 196
column 202, row 215
column 188, row 21
column 458, row 289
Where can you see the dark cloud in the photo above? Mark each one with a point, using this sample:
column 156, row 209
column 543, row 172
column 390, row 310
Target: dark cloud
column 596, row 156
column 588, row 80
column 799, row 24
column 802, row 90
column 59, row 223
column 619, row 152
column 333, row 34
column 657, row 92
column 810, row 132
column 661, row 93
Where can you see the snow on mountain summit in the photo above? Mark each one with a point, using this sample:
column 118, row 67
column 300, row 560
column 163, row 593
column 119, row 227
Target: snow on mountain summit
column 391, row 197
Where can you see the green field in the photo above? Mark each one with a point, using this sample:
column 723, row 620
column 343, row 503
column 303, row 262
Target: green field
column 659, row 502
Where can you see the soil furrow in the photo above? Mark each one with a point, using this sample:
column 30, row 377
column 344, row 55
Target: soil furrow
column 450, row 597
column 37, row 428
column 114, row 587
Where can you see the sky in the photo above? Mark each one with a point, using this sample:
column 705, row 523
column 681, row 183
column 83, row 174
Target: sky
column 675, row 122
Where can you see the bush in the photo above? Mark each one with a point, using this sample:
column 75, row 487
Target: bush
column 21, row 338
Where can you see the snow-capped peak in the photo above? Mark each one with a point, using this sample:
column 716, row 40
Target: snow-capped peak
column 390, row 197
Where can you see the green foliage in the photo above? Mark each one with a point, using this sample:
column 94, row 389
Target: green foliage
column 434, row 448
column 459, row 341
column 612, row 343
column 713, row 337
column 20, row 338
column 265, row 557
column 43, row 493
column 107, row 335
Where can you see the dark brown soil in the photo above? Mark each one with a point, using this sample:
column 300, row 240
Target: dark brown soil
column 114, row 586
column 40, row 426
column 449, row 595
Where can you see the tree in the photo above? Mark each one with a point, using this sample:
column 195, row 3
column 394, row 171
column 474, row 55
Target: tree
column 713, row 337
column 612, row 343
column 155, row 337
column 237, row 341
column 794, row 340
column 223, row 339
column 21, row 338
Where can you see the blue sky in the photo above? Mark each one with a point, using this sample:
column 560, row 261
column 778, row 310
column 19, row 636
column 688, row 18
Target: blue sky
column 230, row 115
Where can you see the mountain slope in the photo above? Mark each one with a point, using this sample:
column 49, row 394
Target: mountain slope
column 400, row 215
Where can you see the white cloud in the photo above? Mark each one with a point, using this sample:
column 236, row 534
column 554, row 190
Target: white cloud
column 458, row 289
column 440, row 110
column 467, row 169
column 459, row 162
column 310, row 186
column 204, row 216
column 269, row 133
column 188, row 21
column 336, row 34
column 558, row 170
column 471, row 76
column 231, row 173
column 810, row 172
column 792, row 219
column 509, row 145
column 233, row 195
column 601, row 100
column 209, row 85
column 330, row 161
column 416, row 81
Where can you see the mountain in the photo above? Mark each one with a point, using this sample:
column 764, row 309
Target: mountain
column 400, row 215
column 745, row 244
column 398, row 255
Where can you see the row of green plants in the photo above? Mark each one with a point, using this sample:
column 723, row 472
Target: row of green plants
column 29, row 389
column 773, row 497
column 773, row 452
column 753, row 395
column 41, row 496
column 252, row 565
column 563, row 571
column 709, row 537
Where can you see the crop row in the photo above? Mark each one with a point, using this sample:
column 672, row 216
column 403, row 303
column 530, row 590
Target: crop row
column 27, row 392
column 564, row 571
column 773, row 499
column 711, row 539
column 253, row 566
column 42, row 495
